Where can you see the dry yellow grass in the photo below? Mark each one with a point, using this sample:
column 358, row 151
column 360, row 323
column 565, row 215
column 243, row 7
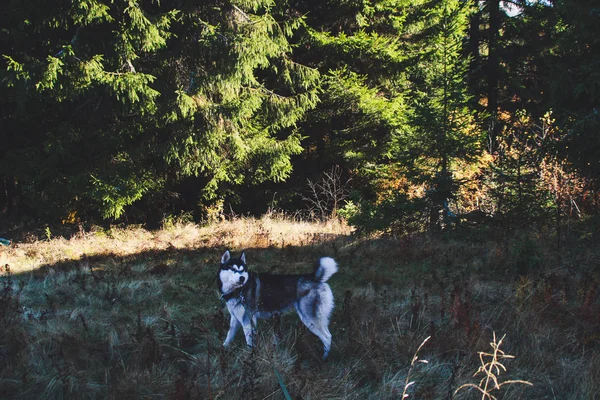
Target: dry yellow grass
column 237, row 233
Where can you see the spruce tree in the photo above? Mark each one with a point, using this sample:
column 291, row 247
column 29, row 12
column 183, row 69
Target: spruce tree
column 123, row 100
column 443, row 129
column 575, row 83
column 395, row 109
column 359, row 50
column 443, row 126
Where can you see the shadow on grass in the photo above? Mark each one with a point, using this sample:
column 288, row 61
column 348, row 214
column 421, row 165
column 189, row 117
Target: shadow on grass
column 147, row 324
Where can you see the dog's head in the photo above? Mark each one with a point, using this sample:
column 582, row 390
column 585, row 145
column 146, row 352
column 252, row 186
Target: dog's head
column 233, row 273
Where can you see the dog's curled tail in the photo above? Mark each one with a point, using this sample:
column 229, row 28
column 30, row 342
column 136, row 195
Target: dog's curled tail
column 327, row 267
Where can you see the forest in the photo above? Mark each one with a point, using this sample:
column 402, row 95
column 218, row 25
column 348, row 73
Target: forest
column 446, row 154
column 396, row 115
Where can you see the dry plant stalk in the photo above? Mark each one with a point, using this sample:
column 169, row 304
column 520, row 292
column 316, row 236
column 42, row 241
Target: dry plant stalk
column 491, row 369
column 415, row 359
column 328, row 194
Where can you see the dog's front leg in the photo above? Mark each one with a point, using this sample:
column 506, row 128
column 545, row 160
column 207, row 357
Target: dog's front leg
column 238, row 312
column 248, row 330
column 234, row 326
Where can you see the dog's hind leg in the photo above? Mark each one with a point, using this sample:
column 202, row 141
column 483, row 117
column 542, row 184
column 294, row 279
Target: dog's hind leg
column 318, row 326
column 314, row 311
column 321, row 329
column 234, row 326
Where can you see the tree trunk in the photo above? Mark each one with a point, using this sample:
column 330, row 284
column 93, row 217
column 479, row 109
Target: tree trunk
column 3, row 197
column 473, row 51
column 493, row 70
column 12, row 194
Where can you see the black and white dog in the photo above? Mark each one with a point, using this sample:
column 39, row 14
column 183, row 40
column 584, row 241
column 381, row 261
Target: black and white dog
column 250, row 296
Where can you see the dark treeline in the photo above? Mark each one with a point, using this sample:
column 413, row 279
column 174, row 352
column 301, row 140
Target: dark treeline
column 396, row 114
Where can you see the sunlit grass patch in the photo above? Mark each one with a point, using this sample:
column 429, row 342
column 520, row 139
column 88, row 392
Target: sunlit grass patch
column 236, row 233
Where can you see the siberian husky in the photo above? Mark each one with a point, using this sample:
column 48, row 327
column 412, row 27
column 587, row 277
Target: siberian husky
column 250, row 296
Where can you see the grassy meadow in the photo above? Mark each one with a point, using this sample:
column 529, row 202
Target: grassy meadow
column 130, row 313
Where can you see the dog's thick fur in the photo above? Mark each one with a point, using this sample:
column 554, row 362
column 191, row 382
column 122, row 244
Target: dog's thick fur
column 250, row 296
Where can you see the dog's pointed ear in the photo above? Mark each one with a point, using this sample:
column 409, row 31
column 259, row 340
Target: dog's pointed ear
column 243, row 257
column 225, row 257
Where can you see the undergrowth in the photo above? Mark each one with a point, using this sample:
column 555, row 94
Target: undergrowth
column 134, row 314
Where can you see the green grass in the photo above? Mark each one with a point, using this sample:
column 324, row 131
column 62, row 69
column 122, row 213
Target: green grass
column 135, row 314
